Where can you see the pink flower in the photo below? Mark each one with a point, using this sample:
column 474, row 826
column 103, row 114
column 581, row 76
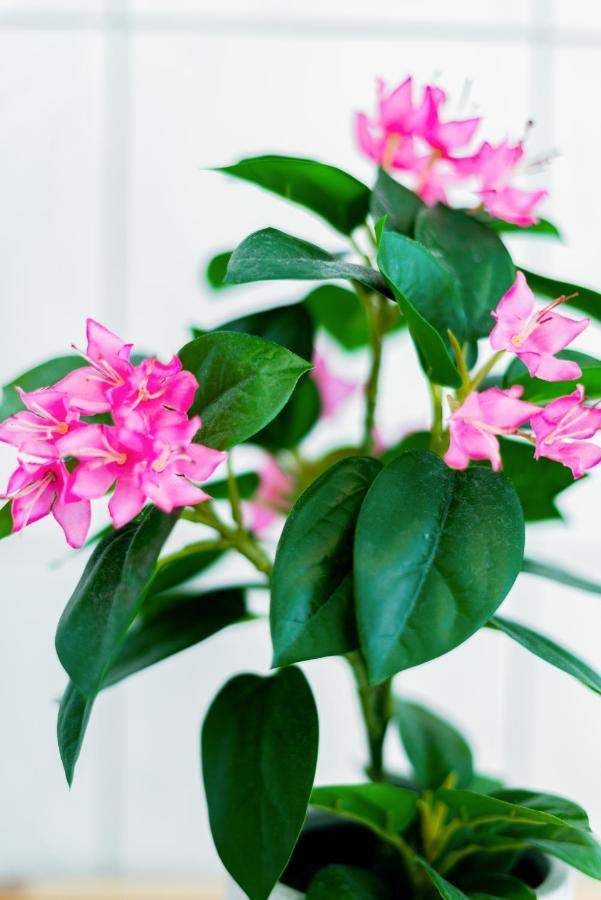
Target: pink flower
column 39, row 488
column 109, row 367
column 444, row 137
column 35, row 432
column 151, row 387
column 495, row 167
column 474, row 425
column 561, row 429
column 535, row 336
column 388, row 139
column 272, row 497
column 333, row 391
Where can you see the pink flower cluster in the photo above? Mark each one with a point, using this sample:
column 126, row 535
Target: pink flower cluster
column 146, row 454
column 562, row 429
column 412, row 137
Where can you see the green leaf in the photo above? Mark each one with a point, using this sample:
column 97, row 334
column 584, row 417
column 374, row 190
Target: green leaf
column 537, row 481
column 446, row 890
column 44, row 375
column 73, row 717
column 290, row 326
column 546, row 649
column 542, row 228
column 537, row 391
column 492, row 823
column 312, row 611
column 346, row 883
column 504, row 886
column 443, row 547
column 259, row 751
column 430, row 301
column 181, row 567
column 475, row 255
column 6, row 520
column 383, row 808
column 294, row 421
column 588, row 301
column 108, row 596
column 485, row 784
column 243, row 380
column 391, row 199
column 333, row 194
column 434, row 747
column 247, row 483
column 216, row 269
column 561, row 576
column 554, row 805
column 270, row 254
column 341, row 314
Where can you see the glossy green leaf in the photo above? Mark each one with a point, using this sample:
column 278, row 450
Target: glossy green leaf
column 588, row 301
column 182, row 566
column 216, row 269
column 537, row 391
column 561, row 576
column 340, row 313
column 443, row 547
column 108, row 596
column 542, row 228
column 391, row 199
column 44, row 375
column 270, row 255
column 243, row 380
column 294, row 422
column 247, row 483
column 346, row 883
column 383, row 808
column 6, row 520
column 492, row 823
column 434, row 747
column 483, row 887
column 312, row 612
column 546, row 649
column 475, row 255
column 429, row 299
column 333, row 194
column 73, row 717
column 290, row 326
column 446, row 890
column 537, row 481
column 259, row 751
column 554, row 805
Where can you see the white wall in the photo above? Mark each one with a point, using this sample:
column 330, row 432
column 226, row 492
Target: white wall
column 109, row 113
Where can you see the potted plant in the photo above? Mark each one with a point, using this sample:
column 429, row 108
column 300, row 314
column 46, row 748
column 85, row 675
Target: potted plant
column 390, row 556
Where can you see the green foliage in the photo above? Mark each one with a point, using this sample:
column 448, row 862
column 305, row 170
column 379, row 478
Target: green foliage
column 587, row 300
column 537, row 481
column 290, row 326
column 346, row 883
column 542, row 228
column 6, row 520
column 216, row 269
column 537, row 391
column 561, row 576
column 339, row 312
column 443, row 547
column 400, row 205
column 434, row 747
column 312, row 611
column 383, row 808
column 333, row 194
column 47, row 373
column 259, row 751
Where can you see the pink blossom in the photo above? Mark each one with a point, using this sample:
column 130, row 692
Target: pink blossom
column 109, row 367
column 444, row 137
column 474, row 425
column 39, row 488
column 151, row 386
column 333, row 391
column 47, row 418
column 272, row 497
column 561, row 429
column 535, row 336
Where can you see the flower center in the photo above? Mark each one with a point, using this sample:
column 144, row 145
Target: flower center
column 537, row 319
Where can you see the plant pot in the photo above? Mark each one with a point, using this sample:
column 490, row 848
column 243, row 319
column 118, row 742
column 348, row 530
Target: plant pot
column 558, row 885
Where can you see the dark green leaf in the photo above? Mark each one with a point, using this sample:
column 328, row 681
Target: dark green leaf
column 290, row 326
column 434, row 747
column 383, row 808
column 475, row 255
column 333, row 194
column 561, row 576
column 492, row 823
column 546, row 649
column 543, row 227
column 537, row 481
column 537, row 391
column 259, row 751
column 485, row 784
column 247, row 483
column 443, row 547
column 341, row 314
column 430, row 301
column 243, row 380
column 270, row 254
column 96, row 619
column 346, row 883
column 294, row 421
column 391, row 199
column 446, row 890
column 73, row 717
column 312, row 611
column 179, row 567
column 566, row 810
column 6, row 520
column 482, row 887
column 217, row 268
column 44, row 375
column 588, row 301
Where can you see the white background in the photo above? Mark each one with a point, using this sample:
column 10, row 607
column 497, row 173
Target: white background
column 109, row 114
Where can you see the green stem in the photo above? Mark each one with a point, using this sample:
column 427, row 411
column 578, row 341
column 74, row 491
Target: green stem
column 438, row 441
column 360, row 252
column 376, row 707
column 374, row 307
column 234, row 495
column 484, row 371
column 239, row 539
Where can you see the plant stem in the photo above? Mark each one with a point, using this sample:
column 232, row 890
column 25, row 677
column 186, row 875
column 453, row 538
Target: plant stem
column 360, row 252
column 376, row 707
column 374, row 310
column 237, row 538
column 438, row 443
column 484, row 371
column 234, row 495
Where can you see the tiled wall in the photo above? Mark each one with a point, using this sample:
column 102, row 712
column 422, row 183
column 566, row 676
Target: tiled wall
column 110, row 114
